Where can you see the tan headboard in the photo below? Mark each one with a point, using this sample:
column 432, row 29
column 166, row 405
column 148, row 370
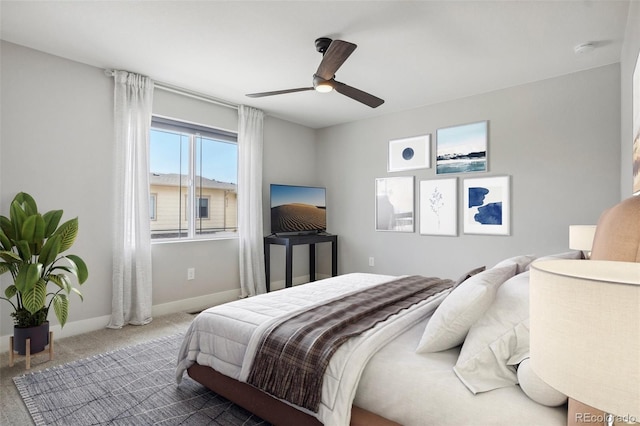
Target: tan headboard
column 618, row 233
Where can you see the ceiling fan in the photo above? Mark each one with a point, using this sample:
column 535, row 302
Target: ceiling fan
column 334, row 53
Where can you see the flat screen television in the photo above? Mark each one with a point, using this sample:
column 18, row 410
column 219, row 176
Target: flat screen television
column 298, row 209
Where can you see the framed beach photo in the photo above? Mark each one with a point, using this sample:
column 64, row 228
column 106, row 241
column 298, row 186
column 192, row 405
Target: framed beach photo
column 439, row 207
column 395, row 204
column 409, row 153
column 487, row 205
column 462, row 149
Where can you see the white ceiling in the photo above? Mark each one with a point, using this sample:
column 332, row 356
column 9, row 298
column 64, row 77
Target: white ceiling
column 410, row 53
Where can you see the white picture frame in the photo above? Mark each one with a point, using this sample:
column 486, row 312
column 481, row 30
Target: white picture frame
column 635, row 144
column 487, row 205
column 462, row 148
column 409, row 153
column 439, row 207
column 395, row 204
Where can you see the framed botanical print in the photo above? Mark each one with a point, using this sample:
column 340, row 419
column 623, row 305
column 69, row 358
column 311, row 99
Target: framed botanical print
column 439, row 207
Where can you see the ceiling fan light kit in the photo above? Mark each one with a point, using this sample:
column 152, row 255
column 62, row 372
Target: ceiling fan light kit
column 334, row 53
column 321, row 85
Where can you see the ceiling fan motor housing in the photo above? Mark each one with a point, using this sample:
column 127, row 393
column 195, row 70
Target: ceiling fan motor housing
column 322, row 44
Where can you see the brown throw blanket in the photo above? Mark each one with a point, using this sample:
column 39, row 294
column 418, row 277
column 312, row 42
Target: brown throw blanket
column 292, row 357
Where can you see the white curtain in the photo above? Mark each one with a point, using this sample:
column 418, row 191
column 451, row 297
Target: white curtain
column 131, row 302
column 252, row 273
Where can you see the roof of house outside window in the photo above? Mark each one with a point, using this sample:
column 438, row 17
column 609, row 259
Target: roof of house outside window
column 173, row 179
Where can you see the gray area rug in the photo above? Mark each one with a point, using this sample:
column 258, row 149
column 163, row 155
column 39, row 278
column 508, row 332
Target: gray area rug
column 129, row 386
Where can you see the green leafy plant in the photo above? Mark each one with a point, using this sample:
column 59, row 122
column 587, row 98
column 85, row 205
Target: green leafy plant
column 31, row 250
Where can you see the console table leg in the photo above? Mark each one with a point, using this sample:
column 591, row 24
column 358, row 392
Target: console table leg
column 312, row 262
column 334, row 258
column 267, row 264
column 288, row 279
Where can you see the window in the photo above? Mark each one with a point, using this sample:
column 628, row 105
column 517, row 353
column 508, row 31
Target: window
column 152, row 206
column 203, row 208
column 193, row 181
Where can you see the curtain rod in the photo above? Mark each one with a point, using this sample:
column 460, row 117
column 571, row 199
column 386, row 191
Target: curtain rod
column 185, row 92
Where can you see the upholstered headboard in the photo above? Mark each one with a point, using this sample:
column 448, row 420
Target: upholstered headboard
column 618, row 233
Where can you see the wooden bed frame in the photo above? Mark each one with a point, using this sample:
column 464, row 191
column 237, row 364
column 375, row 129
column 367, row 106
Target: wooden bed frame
column 269, row 408
column 617, row 238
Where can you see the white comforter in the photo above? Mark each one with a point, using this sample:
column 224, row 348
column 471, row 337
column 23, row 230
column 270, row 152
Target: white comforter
column 224, row 337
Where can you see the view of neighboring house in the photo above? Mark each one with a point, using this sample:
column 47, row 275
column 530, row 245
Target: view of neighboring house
column 216, row 205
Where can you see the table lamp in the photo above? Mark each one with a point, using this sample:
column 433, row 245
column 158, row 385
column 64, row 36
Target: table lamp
column 581, row 238
column 585, row 332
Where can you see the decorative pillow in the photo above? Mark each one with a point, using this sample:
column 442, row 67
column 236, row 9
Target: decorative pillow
column 456, row 314
column 498, row 341
column 468, row 275
column 521, row 261
column 574, row 254
column 536, row 388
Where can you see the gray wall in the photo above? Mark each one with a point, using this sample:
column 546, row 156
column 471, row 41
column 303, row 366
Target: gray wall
column 56, row 143
column 57, row 134
column 558, row 139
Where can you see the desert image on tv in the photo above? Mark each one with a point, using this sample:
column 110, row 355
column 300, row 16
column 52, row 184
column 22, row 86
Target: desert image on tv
column 298, row 217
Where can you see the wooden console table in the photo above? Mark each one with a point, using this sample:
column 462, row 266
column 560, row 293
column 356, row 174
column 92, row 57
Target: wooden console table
column 293, row 240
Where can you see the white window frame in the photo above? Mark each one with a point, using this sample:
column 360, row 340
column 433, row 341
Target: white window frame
column 193, row 131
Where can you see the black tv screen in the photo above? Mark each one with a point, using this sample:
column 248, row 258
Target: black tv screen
column 298, row 209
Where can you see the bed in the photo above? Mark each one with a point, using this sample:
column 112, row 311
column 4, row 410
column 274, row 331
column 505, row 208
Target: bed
column 457, row 357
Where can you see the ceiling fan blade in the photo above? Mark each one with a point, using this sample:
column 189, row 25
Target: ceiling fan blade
column 358, row 95
column 334, row 57
column 279, row 92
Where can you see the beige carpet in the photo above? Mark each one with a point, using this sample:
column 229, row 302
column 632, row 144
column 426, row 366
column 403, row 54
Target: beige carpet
column 69, row 349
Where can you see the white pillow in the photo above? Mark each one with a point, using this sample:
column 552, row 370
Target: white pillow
column 522, row 262
column 536, row 388
column 498, row 341
column 467, row 302
column 574, row 254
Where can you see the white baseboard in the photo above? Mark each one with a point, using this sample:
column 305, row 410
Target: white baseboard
column 195, row 303
column 92, row 324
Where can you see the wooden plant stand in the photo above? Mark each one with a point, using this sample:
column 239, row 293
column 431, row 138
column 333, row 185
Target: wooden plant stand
column 28, row 353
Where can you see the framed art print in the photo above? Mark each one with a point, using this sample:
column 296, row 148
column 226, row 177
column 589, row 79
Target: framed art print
column 635, row 155
column 439, row 207
column 409, row 153
column 394, row 204
column 487, row 205
column 462, row 149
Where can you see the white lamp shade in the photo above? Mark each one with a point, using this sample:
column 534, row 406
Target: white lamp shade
column 581, row 237
column 585, row 331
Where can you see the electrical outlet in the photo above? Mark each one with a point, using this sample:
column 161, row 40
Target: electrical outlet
column 191, row 273
column 372, row 261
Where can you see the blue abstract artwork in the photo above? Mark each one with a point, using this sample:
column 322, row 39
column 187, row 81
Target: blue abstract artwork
column 489, row 214
column 487, row 206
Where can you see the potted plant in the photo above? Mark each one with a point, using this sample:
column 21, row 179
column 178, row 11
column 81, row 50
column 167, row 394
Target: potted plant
column 31, row 247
